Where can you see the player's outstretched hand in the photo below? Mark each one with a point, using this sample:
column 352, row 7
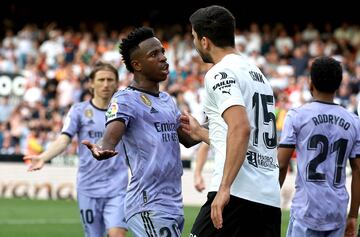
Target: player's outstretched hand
column 35, row 162
column 97, row 152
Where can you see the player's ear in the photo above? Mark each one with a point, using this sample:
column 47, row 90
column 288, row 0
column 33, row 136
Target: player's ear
column 205, row 42
column 311, row 85
column 136, row 65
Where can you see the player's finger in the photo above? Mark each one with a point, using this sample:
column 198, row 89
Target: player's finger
column 29, row 157
column 33, row 168
column 184, row 119
column 213, row 217
column 216, row 216
column 87, row 143
column 186, row 130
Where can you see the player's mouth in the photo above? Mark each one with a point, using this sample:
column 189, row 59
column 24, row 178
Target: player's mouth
column 165, row 68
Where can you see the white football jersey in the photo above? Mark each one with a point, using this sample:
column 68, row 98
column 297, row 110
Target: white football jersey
column 237, row 81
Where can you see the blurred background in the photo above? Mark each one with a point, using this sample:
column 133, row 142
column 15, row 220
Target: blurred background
column 47, row 51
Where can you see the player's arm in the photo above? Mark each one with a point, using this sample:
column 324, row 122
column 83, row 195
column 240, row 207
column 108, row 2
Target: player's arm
column 284, row 156
column 236, row 147
column 237, row 143
column 191, row 132
column 55, row 148
column 355, row 198
column 202, row 154
column 105, row 149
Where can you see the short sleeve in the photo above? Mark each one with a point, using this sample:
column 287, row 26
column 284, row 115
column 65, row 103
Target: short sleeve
column 355, row 152
column 71, row 122
column 121, row 108
column 288, row 134
column 225, row 89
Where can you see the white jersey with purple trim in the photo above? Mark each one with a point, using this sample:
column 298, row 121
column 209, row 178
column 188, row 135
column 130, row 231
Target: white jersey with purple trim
column 236, row 81
column 325, row 136
column 107, row 178
column 152, row 149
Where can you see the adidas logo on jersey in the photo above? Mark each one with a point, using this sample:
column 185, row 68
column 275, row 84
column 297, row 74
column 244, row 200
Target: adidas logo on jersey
column 153, row 110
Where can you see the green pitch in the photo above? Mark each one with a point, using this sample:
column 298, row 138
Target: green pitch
column 29, row 218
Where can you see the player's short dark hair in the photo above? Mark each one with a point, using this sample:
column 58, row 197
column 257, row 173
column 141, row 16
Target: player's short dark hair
column 103, row 66
column 326, row 74
column 216, row 23
column 131, row 43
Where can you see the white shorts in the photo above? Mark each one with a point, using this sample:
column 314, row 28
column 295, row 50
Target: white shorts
column 150, row 223
column 101, row 214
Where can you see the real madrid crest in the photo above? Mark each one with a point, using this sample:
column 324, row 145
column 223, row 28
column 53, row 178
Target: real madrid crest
column 145, row 99
column 88, row 113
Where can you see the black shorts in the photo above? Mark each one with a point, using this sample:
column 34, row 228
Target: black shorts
column 240, row 218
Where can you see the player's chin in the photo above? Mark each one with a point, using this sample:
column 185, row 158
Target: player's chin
column 163, row 76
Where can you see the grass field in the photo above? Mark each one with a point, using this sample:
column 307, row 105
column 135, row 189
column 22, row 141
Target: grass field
column 29, row 218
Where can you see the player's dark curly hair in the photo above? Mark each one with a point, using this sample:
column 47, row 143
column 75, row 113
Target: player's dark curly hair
column 216, row 23
column 326, row 74
column 131, row 42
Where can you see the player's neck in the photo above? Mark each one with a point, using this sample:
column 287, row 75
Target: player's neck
column 324, row 97
column 100, row 102
column 218, row 54
column 146, row 85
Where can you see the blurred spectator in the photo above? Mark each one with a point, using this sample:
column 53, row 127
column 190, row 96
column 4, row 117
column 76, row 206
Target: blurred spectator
column 56, row 64
column 6, row 108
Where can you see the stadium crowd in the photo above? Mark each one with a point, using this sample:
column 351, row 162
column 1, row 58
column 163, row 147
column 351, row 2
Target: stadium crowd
column 55, row 64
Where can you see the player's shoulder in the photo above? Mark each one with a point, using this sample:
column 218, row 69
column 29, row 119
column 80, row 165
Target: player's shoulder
column 222, row 69
column 298, row 113
column 81, row 105
column 352, row 115
column 124, row 91
column 232, row 66
column 164, row 95
column 125, row 94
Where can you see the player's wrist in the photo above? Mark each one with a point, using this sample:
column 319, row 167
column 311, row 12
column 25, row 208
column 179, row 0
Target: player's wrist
column 224, row 187
column 352, row 215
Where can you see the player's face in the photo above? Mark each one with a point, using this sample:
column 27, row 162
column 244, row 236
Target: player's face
column 199, row 48
column 104, row 84
column 152, row 60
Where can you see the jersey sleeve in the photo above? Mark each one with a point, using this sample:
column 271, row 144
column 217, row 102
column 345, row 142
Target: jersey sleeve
column 121, row 108
column 71, row 122
column 288, row 134
column 355, row 152
column 177, row 113
column 225, row 89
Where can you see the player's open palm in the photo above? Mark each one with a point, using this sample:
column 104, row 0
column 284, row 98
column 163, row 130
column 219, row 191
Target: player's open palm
column 36, row 162
column 221, row 199
column 97, row 152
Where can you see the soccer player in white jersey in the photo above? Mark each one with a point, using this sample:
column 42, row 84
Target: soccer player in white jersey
column 244, row 196
column 147, row 121
column 101, row 185
column 325, row 135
